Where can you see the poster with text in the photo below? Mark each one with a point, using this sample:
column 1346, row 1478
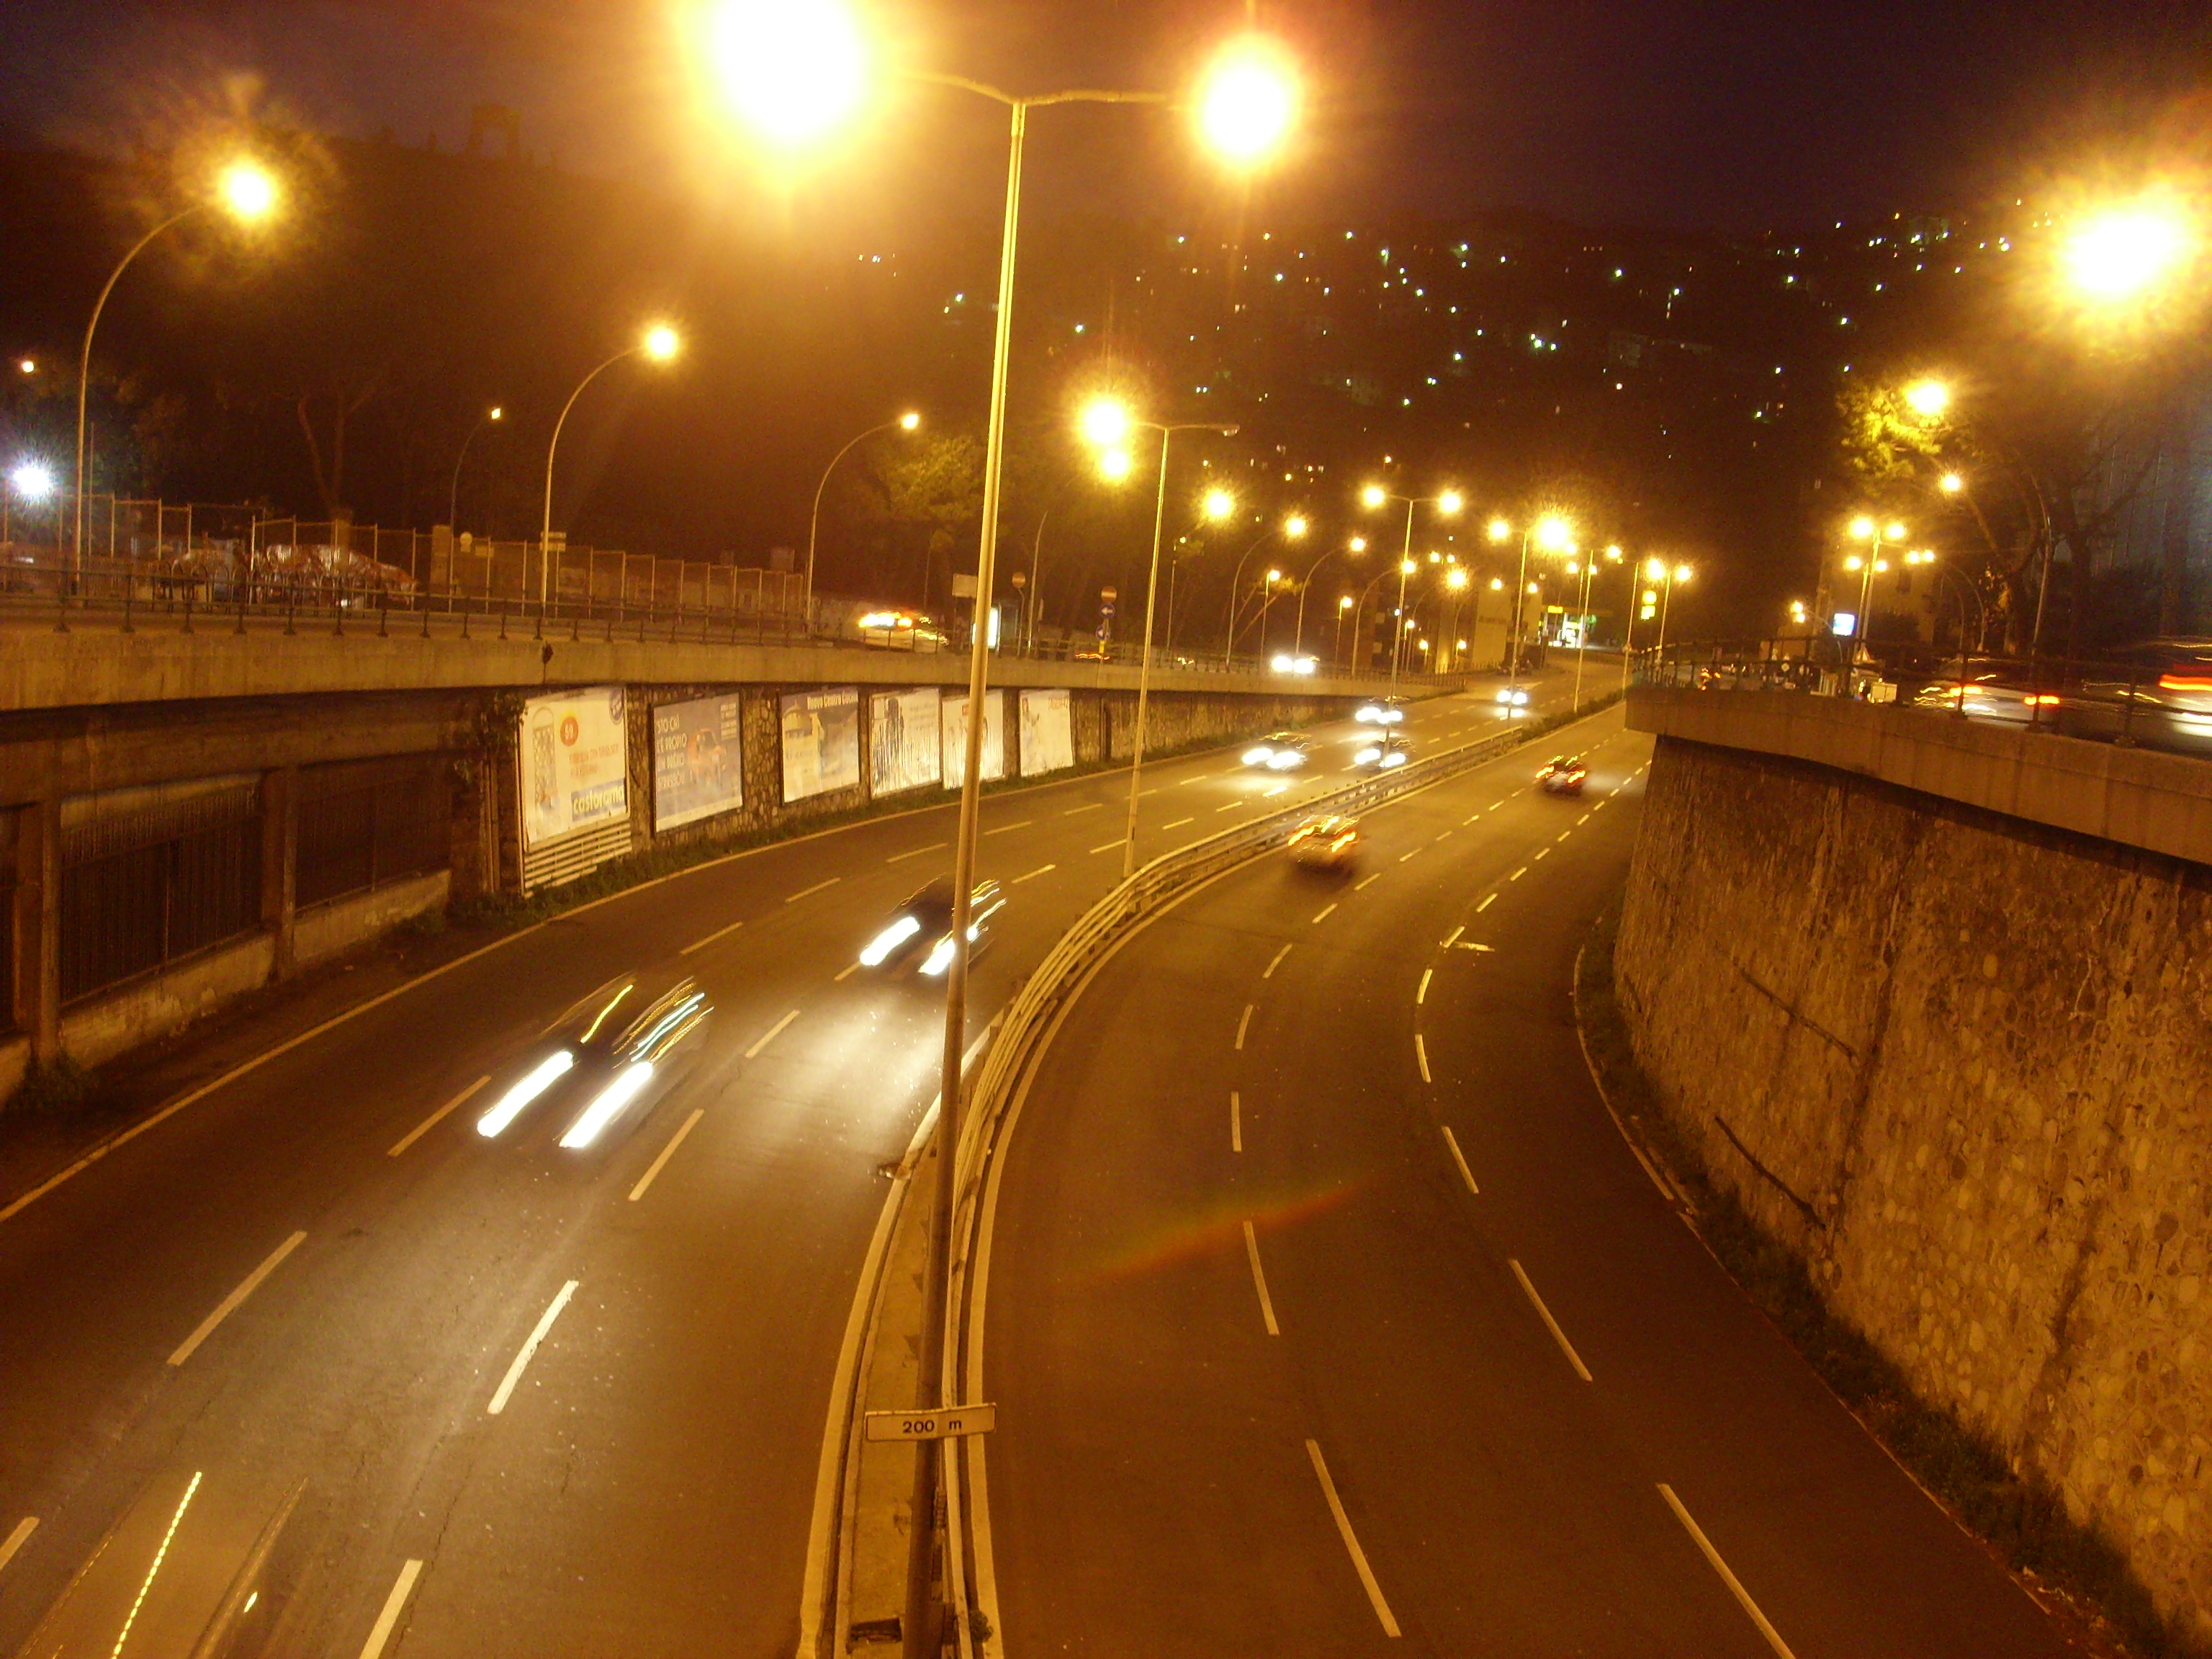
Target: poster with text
column 903, row 740
column 1047, row 739
column 575, row 764
column 955, row 723
column 821, row 741
column 695, row 769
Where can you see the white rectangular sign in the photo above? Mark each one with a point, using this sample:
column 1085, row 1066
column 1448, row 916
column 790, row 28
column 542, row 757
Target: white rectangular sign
column 904, row 740
column 955, row 712
column 1048, row 737
column 932, row 1425
column 575, row 764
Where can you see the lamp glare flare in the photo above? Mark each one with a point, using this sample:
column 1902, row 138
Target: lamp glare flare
column 2125, row 252
column 661, row 342
column 793, row 69
column 248, row 191
column 1248, row 102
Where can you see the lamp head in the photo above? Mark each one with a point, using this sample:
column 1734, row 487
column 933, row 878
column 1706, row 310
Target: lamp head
column 1406, row 566
column 1927, row 399
column 792, row 69
column 1553, row 532
column 1951, row 483
column 1450, row 502
column 1861, row 528
column 910, row 421
column 1357, row 545
column 1247, row 102
column 662, row 342
column 1295, row 526
column 1114, row 464
column 495, row 413
column 2124, row 251
column 247, row 191
column 32, row 480
column 1373, row 496
column 1105, row 423
column 1219, row 504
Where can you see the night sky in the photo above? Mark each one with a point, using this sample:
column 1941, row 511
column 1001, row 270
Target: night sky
column 1732, row 115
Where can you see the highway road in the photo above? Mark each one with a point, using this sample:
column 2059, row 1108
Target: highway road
column 436, row 1395
column 1329, row 1313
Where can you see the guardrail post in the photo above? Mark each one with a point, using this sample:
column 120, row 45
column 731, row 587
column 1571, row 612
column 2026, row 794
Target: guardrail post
column 291, row 600
column 2126, row 740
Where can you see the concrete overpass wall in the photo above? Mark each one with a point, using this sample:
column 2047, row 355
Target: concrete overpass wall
column 1935, row 1003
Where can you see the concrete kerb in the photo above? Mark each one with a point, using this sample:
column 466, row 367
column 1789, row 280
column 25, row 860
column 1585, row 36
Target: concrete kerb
column 1021, row 1036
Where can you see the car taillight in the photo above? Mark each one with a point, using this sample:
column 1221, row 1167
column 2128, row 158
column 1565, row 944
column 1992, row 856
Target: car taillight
column 2042, row 700
column 2185, row 682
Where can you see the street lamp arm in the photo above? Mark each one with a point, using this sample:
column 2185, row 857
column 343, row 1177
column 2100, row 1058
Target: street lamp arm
column 814, row 523
column 553, row 448
column 1031, row 100
column 84, row 368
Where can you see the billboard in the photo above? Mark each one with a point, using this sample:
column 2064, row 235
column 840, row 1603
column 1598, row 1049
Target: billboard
column 696, row 767
column 821, row 741
column 904, row 740
column 575, row 764
column 1047, row 739
column 955, row 723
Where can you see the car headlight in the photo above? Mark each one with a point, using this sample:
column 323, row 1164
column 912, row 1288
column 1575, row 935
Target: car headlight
column 889, row 940
column 612, row 1099
column 1396, row 757
column 1393, row 716
column 1366, row 757
column 542, row 1077
column 1284, row 759
column 1259, row 756
column 1370, row 713
column 940, row 955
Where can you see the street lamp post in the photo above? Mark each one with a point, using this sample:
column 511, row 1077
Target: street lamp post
column 1290, row 529
column 906, row 423
column 453, row 496
column 1356, row 546
column 1553, row 533
column 1336, row 646
column 1675, row 574
column 249, row 195
column 660, row 344
column 1876, row 534
column 1447, row 502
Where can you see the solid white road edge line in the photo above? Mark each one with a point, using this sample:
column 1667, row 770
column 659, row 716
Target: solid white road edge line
column 701, row 944
column 1421, row 995
column 435, row 1119
column 230, row 1304
column 1550, row 1323
column 522, row 1360
column 1735, row 1586
column 1242, row 1022
column 394, row 1605
column 1666, row 1186
column 666, row 1152
column 1421, row 1053
column 1465, row 1174
column 770, row 1035
column 1269, row 971
column 1260, row 1281
column 1352, row 1542
column 23, row 1530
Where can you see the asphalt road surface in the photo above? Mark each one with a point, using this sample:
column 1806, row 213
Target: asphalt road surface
column 438, row 1394
column 1329, row 1312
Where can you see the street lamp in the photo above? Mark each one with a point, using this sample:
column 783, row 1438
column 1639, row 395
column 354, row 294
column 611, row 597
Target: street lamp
column 910, row 421
column 1875, row 534
column 657, row 344
column 30, row 483
column 1356, row 546
column 1927, row 399
column 794, row 72
column 243, row 190
column 1292, row 528
column 453, row 497
column 1667, row 575
column 1336, row 649
column 2125, row 252
column 1552, row 531
column 1447, row 503
column 1106, row 422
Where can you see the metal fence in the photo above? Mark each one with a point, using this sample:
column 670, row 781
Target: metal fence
column 2135, row 699
column 363, row 823
column 155, row 878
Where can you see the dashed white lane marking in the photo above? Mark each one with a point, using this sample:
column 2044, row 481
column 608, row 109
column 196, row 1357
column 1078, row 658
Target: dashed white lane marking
column 1569, row 830
column 1110, row 847
column 159, row 1556
column 1236, row 1122
column 1598, row 806
column 1142, row 793
column 1465, row 1174
column 1584, row 818
column 435, row 1119
column 522, row 1360
column 1352, row 1542
column 1269, row 972
column 845, row 973
column 1008, row 829
column 394, row 1605
column 1242, row 1023
column 1073, row 810
column 1542, row 852
column 1550, row 1323
column 1233, row 806
column 1178, row 823
column 1200, row 778
column 1324, row 915
column 1042, row 869
column 1402, row 857
column 1371, row 880
column 1517, row 874
column 1421, row 1053
column 771, row 1034
column 934, row 846
column 720, row 933
column 666, row 1152
column 1260, row 1281
column 15, row 1539
column 230, row 1304
column 805, row 892
column 1279, row 789
column 1488, row 899
column 1735, row 1585
column 1422, row 994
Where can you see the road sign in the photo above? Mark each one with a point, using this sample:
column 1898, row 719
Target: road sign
column 932, row 1425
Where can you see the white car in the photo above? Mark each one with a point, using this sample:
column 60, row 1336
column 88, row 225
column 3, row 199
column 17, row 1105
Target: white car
column 1285, row 751
column 1383, row 711
column 1511, row 700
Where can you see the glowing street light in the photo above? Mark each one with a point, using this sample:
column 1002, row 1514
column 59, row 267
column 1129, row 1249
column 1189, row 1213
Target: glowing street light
column 1950, row 483
column 793, row 71
column 1115, row 464
column 1105, row 423
column 1448, row 502
column 32, row 480
column 1249, row 101
column 244, row 190
column 2125, row 252
column 1499, row 529
column 1927, row 399
column 659, row 343
column 910, row 421
column 1219, row 504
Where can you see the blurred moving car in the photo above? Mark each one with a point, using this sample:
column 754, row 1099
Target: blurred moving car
column 1994, row 696
column 1285, row 751
column 1384, row 752
column 1332, row 842
column 1511, row 700
column 922, row 927
column 901, row 631
column 1563, row 775
column 2159, row 692
column 1382, row 711
column 607, row 1061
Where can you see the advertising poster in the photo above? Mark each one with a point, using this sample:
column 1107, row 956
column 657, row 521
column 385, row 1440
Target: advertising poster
column 1047, row 739
column 955, row 723
column 903, row 740
column 695, row 769
column 575, row 764
column 821, row 741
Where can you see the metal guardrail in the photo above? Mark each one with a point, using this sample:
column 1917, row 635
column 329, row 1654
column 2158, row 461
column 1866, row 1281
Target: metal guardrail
column 1019, row 1036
